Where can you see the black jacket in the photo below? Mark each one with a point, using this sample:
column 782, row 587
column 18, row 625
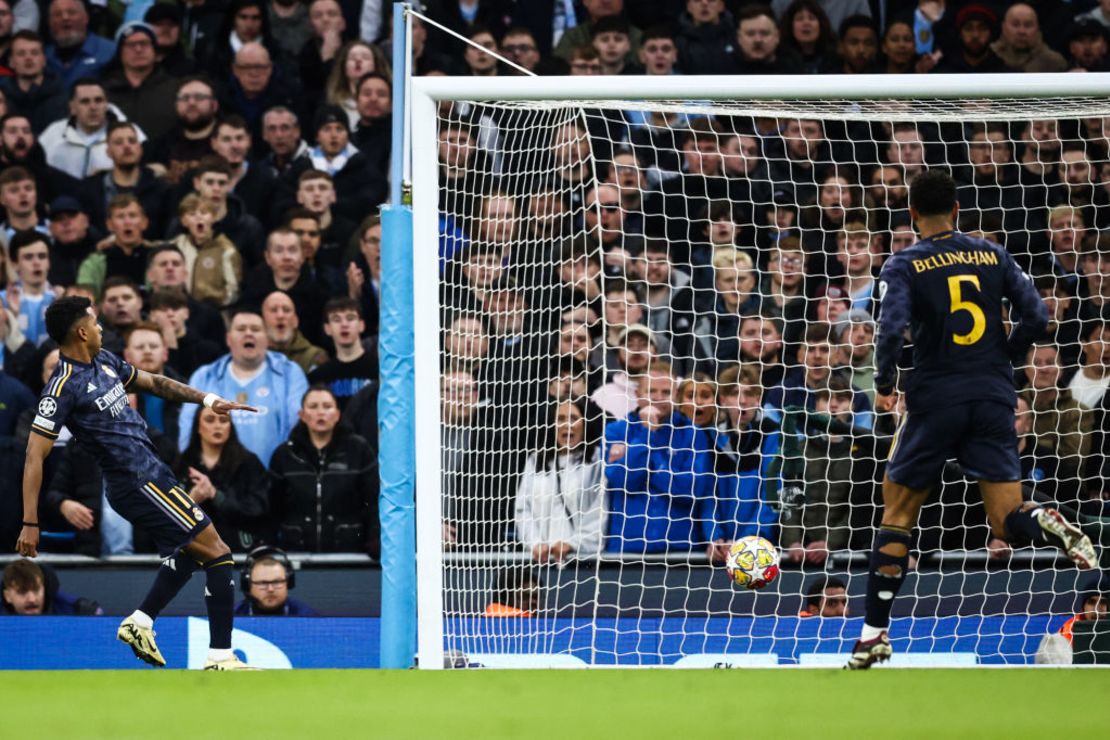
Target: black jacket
column 152, row 192
column 359, row 187
column 326, row 500
column 240, row 508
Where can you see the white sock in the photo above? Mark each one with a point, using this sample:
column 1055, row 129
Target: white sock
column 220, row 655
column 870, row 633
column 142, row 619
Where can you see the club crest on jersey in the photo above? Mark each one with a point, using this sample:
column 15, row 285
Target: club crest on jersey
column 109, row 371
column 47, row 407
column 198, row 513
column 90, row 388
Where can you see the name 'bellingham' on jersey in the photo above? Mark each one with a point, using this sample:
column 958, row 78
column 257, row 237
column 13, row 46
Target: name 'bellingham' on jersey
column 950, row 290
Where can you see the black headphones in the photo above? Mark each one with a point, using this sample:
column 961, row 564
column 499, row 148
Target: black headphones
column 265, row 552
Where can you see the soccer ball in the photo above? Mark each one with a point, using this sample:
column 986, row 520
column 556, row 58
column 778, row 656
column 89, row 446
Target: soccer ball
column 752, row 562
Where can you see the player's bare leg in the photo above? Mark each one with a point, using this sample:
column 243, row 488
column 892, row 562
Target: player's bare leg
column 1026, row 523
column 890, row 554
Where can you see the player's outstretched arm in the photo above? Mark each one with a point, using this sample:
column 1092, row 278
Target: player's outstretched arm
column 38, row 447
column 171, row 390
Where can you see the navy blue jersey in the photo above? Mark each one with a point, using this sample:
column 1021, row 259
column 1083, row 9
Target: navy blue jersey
column 91, row 400
column 950, row 291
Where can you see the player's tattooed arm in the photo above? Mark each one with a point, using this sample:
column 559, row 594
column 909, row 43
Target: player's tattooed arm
column 167, row 388
column 172, row 390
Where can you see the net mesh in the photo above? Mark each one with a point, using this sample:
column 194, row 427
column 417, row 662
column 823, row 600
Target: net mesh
column 657, row 325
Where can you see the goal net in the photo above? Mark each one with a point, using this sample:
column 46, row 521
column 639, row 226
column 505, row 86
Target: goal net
column 652, row 335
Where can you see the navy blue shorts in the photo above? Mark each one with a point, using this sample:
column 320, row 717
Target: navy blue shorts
column 163, row 510
column 980, row 435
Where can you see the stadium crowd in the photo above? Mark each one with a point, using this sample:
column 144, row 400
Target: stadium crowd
column 662, row 344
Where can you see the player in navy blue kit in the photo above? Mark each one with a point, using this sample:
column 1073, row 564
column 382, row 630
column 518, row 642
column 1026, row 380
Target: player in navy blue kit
column 88, row 394
column 950, row 290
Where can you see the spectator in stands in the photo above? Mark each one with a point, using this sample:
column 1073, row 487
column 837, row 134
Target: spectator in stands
column 859, row 253
column 128, row 175
column 189, row 141
column 267, row 578
column 579, row 35
column 71, row 239
column 253, row 87
column 245, row 22
column 826, row 596
column 821, row 525
column 610, row 37
column 264, row 379
column 145, row 349
column 19, row 198
column 657, row 465
column 815, row 372
column 716, row 334
column 1087, row 46
column 1021, row 45
column 167, row 21
column 807, row 158
column 140, row 87
column 76, row 492
column 353, row 367
column 354, row 61
column 7, row 23
column 744, row 445
column 212, row 182
column 226, row 480
column 856, row 354
column 282, row 133
column 481, row 63
column 169, row 309
column 15, row 398
column 284, row 335
column 706, row 37
column 859, row 46
column 560, row 505
column 761, row 345
column 784, row 280
column 977, row 29
column 1063, row 328
column 284, row 269
column 1089, row 385
column 28, row 296
column 253, row 185
column 804, row 27
column 518, row 45
column 364, row 272
column 659, row 51
column 906, row 149
column 18, row 147
column 30, row 590
column 212, row 262
column 328, row 34
column 358, row 184
column 1061, row 424
column 910, row 47
column 697, row 400
column 120, row 308
column 74, row 52
column 324, row 494
column 622, row 308
column 316, row 192
column 78, row 145
column 1096, row 276
column 1067, row 229
column 372, row 129
column 32, row 90
column 126, row 254
column 758, row 48
column 668, row 303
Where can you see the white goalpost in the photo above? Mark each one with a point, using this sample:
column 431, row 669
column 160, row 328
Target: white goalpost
column 643, row 319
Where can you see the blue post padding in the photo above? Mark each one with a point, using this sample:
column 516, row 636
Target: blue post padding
column 396, row 447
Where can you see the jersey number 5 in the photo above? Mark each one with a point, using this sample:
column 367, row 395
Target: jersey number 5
column 978, row 319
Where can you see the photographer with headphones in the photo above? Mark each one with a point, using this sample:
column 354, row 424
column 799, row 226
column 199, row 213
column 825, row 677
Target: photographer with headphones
column 267, row 579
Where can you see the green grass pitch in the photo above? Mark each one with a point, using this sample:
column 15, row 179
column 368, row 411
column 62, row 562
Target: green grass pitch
column 561, row 705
